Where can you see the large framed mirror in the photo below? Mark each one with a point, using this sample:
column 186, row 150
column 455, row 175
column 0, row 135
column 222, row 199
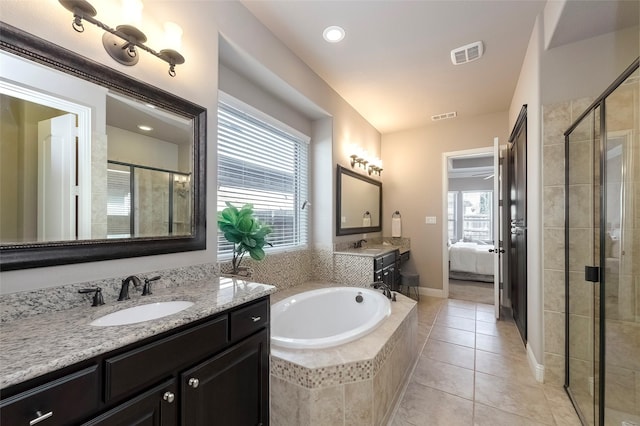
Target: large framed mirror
column 358, row 203
column 95, row 164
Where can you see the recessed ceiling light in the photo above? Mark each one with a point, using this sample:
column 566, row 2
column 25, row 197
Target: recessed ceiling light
column 145, row 128
column 333, row 34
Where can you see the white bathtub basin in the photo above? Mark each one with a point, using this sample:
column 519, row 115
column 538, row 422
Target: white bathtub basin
column 141, row 313
column 327, row 317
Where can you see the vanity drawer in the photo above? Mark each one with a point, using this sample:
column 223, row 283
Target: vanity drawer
column 62, row 401
column 249, row 319
column 150, row 363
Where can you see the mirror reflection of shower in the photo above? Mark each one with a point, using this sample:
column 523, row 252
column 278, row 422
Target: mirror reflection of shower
column 163, row 195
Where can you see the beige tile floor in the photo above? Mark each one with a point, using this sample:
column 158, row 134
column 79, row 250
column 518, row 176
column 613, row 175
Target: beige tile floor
column 472, row 370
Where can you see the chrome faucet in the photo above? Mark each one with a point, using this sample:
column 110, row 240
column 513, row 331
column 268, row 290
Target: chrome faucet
column 124, row 290
column 385, row 290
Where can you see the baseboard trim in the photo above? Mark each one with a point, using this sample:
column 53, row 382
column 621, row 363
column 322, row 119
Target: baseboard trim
column 432, row 292
column 536, row 368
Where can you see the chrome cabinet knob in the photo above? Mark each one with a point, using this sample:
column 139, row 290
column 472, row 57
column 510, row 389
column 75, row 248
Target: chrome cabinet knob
column 256, row 319
column 194, row 383
column 169, row 397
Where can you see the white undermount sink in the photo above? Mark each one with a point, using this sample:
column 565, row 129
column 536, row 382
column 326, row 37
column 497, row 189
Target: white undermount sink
column 141, row 313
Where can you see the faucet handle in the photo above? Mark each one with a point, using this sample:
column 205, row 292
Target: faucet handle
column 97, row 295
column 146, row 290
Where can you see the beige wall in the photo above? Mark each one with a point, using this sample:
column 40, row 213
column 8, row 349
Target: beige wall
column 413, row 182
column 197, row 81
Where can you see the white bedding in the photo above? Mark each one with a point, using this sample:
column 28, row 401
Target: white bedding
column 471, row 257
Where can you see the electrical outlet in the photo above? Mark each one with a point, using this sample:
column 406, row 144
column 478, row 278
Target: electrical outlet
column 430, row 220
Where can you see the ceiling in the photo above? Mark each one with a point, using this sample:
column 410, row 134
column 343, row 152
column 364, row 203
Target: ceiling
column 394, row 64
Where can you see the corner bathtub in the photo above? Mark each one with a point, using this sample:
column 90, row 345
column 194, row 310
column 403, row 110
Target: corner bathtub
column 327, row 317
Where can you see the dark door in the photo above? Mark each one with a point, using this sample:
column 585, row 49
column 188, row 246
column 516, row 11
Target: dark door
column 230, row 389
column 156, row 407
column 517, row 253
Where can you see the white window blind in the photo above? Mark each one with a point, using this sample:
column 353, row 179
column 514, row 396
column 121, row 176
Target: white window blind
column 263, row 165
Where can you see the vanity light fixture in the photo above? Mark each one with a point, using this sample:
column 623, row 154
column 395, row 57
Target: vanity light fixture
column 359, row 160
column 375, row 167
column 121, row 42
column 333, row 34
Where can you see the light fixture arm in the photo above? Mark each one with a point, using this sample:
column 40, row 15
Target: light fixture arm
column 131, row 37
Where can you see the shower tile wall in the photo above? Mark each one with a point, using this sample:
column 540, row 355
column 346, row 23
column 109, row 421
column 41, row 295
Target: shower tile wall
column 556, row 119
column 99, row 187
column 622, row 329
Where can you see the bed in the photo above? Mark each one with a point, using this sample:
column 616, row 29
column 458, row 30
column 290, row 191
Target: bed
column 471, row 261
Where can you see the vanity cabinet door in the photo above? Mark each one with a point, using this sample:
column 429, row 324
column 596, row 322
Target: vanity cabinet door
column 231, row 388
column 156, row 407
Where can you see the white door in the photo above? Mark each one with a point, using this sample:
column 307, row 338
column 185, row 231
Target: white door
column 57, row 179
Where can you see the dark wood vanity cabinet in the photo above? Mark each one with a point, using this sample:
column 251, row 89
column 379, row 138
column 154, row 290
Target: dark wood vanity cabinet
column 386, row 268
column 214, row 372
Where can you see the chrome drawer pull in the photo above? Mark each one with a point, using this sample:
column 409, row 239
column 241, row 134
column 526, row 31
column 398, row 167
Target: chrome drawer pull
column 194, row 383
column 168, row 396
column 256, row 319
column 40, row 417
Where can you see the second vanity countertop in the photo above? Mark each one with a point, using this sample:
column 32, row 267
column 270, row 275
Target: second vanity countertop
column 373, row 250
column 37, row 345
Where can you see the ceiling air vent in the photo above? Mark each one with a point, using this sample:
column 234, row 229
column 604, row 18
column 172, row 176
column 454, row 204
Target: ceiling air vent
column 467, row 53
column 444, row 116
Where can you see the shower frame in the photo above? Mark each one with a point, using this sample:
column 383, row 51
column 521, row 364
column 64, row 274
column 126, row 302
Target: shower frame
column 594, row 274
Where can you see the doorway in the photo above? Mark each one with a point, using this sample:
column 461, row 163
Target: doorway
column 470, row 206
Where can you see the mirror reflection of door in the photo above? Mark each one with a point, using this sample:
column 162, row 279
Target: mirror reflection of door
column 57, row 179
column 42, row 184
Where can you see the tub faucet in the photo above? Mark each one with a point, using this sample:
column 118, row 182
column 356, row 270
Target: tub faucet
column 124, row 290
column 385, row 289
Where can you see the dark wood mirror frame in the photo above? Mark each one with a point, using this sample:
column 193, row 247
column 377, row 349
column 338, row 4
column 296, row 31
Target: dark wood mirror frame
column 341, row 171
column 22, row 256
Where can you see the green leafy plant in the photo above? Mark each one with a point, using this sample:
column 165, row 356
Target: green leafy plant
column 245, row 231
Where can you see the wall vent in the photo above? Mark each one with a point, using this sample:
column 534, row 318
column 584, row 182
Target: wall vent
column 444, row 116
column 467, row 53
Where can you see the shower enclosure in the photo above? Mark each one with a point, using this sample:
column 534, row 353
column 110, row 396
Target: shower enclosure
column 602, row 256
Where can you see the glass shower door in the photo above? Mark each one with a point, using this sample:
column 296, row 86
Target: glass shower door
column 582, row 234
column 621, row 255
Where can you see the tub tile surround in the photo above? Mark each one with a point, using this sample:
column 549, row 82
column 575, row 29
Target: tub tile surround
column 42, row 343
column 356, row 383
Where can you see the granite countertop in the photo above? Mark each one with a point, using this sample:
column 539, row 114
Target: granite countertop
column 34, row 346
column 373, row 250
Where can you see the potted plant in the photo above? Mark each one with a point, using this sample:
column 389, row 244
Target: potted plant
column 247, row 234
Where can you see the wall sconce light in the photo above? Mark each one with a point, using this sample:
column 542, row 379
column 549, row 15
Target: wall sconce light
column 375, row 170
column 360, row 161
column 121, row 42
column 375, row 166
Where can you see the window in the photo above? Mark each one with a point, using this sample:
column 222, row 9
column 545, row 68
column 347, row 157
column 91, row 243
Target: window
column 476, row 215
column 452, row 198
column 118, row 201
column 262, row 162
